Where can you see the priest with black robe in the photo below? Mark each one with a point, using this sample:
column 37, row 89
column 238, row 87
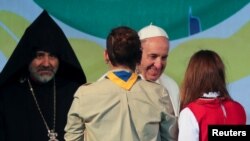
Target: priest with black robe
column 38, row 83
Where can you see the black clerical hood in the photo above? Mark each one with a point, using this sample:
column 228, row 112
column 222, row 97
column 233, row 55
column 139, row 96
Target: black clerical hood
column 43, row 34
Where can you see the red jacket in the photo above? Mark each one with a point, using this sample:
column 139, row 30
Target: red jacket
column 216, row 111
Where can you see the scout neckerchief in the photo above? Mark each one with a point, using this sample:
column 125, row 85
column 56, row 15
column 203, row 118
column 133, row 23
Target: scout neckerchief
column 123, row 79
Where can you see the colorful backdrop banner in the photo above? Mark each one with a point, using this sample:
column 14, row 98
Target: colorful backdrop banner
column 222, row 26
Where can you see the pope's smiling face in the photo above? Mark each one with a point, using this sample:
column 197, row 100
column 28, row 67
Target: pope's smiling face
column 154, row 57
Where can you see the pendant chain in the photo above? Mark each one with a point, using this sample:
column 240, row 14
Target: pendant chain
column 40, row 111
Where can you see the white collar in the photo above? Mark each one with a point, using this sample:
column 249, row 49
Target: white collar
column 211, row 94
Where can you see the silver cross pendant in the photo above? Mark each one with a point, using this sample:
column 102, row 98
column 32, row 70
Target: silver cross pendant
column 52, row 135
